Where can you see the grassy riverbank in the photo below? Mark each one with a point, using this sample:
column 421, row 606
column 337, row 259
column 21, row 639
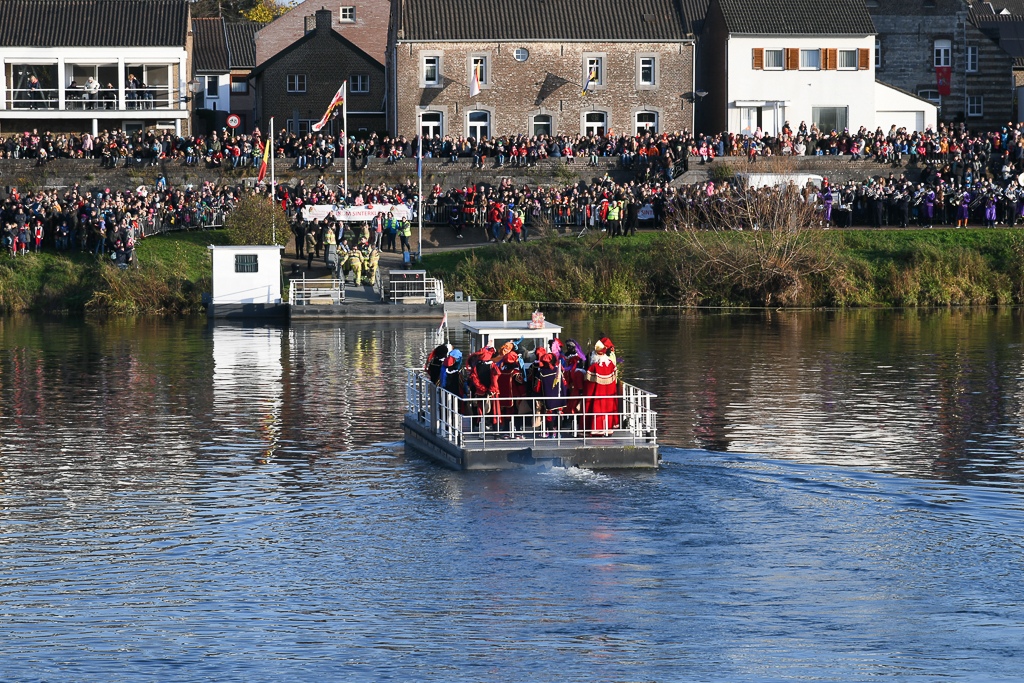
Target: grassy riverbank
column 173, row 274
column 857, row 268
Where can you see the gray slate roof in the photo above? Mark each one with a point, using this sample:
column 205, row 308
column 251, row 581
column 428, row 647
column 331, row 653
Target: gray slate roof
column 209, row 46
column 546, row 20
column 93, row 23
column 242, row 43
column 810, row 17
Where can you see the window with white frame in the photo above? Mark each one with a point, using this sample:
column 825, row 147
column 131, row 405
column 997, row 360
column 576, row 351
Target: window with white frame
column 239, row 84
column 359, row 83
column 300, row 126
column 646, row 122
column 478, row 125
column 975, row 105
column 520, row 54
column 878, row 53
column 595, row 70
column 773, row 58
column 296, row 82
column 972, row 58
column 932, row 96
column 943, row 53
column 247, row 263
column 594, row 123
column 647, row 71
column 848, row 60
column 810, row 59
column 541, row 124
column 431, row 70
column 347, row 14
column 479, row 68
column 431, row 123
column 212, row 87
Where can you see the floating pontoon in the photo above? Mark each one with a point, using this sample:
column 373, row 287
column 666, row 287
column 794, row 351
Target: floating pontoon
column 464, row 434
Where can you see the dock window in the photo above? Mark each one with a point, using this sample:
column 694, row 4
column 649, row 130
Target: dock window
column 247, row 263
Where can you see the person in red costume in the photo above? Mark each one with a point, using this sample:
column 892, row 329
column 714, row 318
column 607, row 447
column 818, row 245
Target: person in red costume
column 511, row 389
column 483, row 383
column 601, row 383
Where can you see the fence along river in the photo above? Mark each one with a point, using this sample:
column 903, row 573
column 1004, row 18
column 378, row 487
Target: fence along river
column 840, row 497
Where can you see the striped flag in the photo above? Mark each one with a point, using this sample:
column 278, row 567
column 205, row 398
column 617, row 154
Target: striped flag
column 266, row 158
column 591, row 81
column 339, row 98
column 474, row 87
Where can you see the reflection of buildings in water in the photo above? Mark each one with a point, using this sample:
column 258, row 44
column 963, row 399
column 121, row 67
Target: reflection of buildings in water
column 247, row 384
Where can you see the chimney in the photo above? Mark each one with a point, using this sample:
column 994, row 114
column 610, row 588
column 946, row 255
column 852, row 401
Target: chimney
column 323, row 19
column 309, row 23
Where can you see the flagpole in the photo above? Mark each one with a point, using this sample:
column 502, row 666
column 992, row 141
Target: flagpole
column 419, row 211
column 344, row 132
column 273, row 184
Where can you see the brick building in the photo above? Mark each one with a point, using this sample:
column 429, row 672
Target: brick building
column 363, row 22
column 1003, row 22
column 532, row 59
column 296, row 85
column 915, row 36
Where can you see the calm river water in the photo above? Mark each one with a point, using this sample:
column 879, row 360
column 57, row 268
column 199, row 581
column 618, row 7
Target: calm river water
column 841, row 499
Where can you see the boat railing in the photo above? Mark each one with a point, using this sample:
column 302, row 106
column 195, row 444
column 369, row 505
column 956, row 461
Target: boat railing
column 303, row 292
column 494, row 422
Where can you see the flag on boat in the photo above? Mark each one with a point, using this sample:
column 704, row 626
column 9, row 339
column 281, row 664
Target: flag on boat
column 267, row 146
column 474, row 87
column 591, row 81
column 339, row 98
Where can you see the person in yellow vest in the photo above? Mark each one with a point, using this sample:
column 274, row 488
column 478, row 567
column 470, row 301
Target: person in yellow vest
column 614, row 222
column 405, row 232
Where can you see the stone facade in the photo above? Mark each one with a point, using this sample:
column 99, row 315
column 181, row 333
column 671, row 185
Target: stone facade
column 323, row 59
column 547, row 83
column 907, row 31
column 368, row 30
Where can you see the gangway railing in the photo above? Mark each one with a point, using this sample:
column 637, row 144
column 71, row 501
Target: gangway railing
column 420, row 289
column 622, row 418
column 302, row 292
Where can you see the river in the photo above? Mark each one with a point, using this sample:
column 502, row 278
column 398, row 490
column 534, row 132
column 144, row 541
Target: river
column 840, row 499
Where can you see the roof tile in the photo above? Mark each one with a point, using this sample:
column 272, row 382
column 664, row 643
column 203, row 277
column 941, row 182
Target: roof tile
column 93, row 23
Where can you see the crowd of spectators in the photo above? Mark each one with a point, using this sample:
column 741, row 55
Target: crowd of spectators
column 105, row 222
column 949, row 158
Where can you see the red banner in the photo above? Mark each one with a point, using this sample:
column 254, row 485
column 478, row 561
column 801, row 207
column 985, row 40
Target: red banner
column 944, row 74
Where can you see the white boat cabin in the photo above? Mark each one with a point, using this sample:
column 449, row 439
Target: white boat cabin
column 486, row 333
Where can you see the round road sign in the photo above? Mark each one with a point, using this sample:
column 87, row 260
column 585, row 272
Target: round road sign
column 234, row 121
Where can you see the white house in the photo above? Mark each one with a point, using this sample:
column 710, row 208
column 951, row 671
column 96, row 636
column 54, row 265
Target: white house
column 51, row 48
column 762, row 64
column 246, row 282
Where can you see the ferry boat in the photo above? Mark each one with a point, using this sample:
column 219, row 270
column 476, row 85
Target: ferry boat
column 458, row 432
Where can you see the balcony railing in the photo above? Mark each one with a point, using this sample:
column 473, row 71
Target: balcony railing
column 104, row 99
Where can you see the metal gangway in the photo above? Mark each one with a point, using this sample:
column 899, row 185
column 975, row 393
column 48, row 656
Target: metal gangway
column 303, row 292
column 494, row 422
column 414, row 287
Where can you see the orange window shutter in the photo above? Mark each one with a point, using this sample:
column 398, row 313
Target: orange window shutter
column 758, row 58
column 863, row 56
column 833, row 58
column 792, row 58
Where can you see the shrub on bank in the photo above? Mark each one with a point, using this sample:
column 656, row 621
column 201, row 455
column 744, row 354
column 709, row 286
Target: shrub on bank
column 839, row 268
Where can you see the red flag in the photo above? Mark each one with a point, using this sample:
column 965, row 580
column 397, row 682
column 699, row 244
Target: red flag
column 944, row 75
column 266, row 159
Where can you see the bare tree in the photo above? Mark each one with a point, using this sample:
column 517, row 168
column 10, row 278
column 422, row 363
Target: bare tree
column 763, row 239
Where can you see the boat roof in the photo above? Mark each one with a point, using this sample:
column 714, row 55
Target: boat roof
column 520, row 328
